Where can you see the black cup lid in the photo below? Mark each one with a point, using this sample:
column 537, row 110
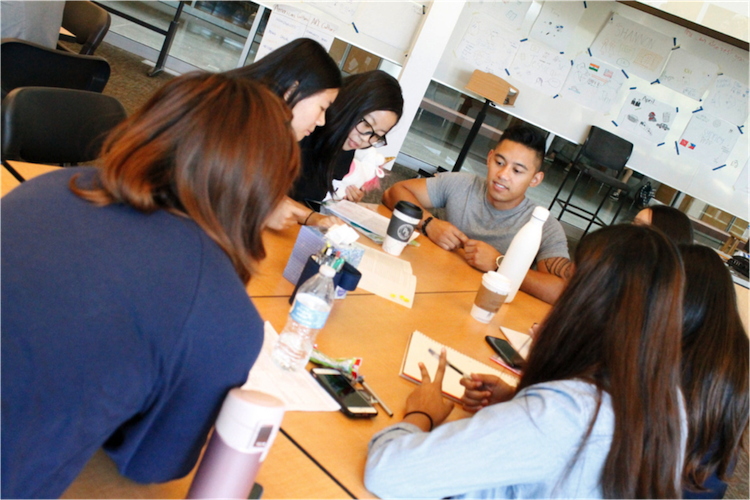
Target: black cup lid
column 410, row 209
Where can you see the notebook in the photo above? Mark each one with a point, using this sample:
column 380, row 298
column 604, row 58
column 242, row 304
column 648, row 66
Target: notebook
column 418, row 350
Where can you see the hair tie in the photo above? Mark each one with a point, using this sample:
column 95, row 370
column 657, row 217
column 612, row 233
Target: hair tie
column 422, row 413
column 308, row 217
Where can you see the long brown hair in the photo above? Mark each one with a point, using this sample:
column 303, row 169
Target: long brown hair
column 618, row 325
column 215, row 148
column 715, row 362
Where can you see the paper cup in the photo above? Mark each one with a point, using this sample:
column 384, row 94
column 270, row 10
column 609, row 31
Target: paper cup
column 404, row 220
column 491, row 295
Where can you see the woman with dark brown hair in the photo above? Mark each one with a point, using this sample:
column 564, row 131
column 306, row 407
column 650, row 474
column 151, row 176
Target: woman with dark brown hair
column 714, row 373
column 598, row 411
column 125, row 315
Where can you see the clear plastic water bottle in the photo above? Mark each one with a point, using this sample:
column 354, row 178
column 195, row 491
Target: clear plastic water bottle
column 312, row 304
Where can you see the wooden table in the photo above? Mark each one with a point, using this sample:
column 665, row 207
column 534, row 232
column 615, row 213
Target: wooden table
column 27, row 171
column 378, row 330
column 436, row 269
column 362, row 325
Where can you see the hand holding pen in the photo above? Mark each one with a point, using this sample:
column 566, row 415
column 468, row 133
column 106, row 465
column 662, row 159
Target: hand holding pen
column 484, row 390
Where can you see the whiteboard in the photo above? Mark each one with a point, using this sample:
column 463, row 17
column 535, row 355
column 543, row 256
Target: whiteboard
column 571, row 120
column 384, row 28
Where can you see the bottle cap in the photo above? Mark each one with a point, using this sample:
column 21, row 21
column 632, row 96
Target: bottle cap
column 327, row 271
column 540, row 213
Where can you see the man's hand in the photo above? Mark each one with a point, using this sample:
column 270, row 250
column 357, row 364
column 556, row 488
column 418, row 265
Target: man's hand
column 481, row 255
column 445, row 235
column 428, row 397
column 484, row 390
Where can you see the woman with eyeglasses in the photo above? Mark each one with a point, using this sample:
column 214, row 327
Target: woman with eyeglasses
column 368, row 106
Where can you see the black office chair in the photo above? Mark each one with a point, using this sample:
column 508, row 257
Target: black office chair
column 58, row 126
column 605, row 150
column 89, row 24
column 26, row 64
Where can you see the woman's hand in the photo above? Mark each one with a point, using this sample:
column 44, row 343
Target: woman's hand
column 428, row 397
column 484, row 390
column 320, row 220
column 354, row 194
column 286, row 214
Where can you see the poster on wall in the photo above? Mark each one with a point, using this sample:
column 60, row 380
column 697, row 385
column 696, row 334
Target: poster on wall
column 593, row 83
column 728, row 98
column 632, row 47
column 540, row 67
column 343, row 11
column 556, row 23
column 511, row 13
column 688, row 74
column 646, row 117
column 289, row 23
column 708, row 138
column 488, row 46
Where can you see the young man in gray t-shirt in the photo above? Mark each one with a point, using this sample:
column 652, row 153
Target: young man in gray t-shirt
column 483, row 216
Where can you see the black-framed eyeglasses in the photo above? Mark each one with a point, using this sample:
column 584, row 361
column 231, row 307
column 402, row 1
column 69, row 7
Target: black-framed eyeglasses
column 366, row 131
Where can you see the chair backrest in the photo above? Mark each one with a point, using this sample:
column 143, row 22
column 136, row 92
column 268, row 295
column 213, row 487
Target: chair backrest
column 49, row 125
column 26, row 64
column 606, row 149
column 88, row 22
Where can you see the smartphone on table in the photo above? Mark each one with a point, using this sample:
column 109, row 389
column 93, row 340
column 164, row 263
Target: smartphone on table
column 353, row 403
column 506, row 351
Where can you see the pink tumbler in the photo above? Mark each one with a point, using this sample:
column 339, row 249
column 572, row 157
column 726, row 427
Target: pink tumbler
column 245, row 429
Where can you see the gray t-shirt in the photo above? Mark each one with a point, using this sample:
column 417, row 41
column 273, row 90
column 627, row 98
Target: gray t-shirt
column 464, row 197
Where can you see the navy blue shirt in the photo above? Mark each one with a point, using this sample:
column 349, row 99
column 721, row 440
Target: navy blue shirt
column 119, row 329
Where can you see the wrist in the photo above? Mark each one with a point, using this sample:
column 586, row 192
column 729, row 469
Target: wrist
column 424, row 225
column 312, row 212
column 421, row 419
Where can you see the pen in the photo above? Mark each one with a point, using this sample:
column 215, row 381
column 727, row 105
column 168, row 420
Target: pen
column 367, row 387
column 459, row 371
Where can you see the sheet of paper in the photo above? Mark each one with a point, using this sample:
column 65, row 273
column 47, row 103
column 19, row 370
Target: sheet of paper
column 418, row 351
column 688, row 74
column 487, row 45
column 288, row 23
column 540, row 67
column 520, row 341
column 646, row 117
column 709, row 138
column 728, row 98
column 593, row 83
column 388, row 277
column 633, row 47
column 556, row 23
column 298, row 390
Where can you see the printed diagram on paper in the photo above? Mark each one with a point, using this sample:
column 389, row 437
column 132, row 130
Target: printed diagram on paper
column 556, row 23
column 646, row 117
column 728, row 98
column 709, row 139
column 488, row 46
column 688, row 74
column 633, row 47
column 540, row 67
column 593, row 83
column 510, row 12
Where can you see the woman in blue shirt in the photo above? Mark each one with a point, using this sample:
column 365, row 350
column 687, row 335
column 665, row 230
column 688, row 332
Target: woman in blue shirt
column 125, row 314
column 598, row 411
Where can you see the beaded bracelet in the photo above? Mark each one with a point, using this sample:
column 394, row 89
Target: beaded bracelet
column 421, row 413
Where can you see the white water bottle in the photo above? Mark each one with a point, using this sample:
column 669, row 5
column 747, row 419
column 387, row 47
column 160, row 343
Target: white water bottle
column 522, row 251
column 309, row 313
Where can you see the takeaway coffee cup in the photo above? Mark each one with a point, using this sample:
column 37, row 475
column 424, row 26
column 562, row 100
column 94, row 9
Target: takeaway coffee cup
column 491, row 295
column 405, row 218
